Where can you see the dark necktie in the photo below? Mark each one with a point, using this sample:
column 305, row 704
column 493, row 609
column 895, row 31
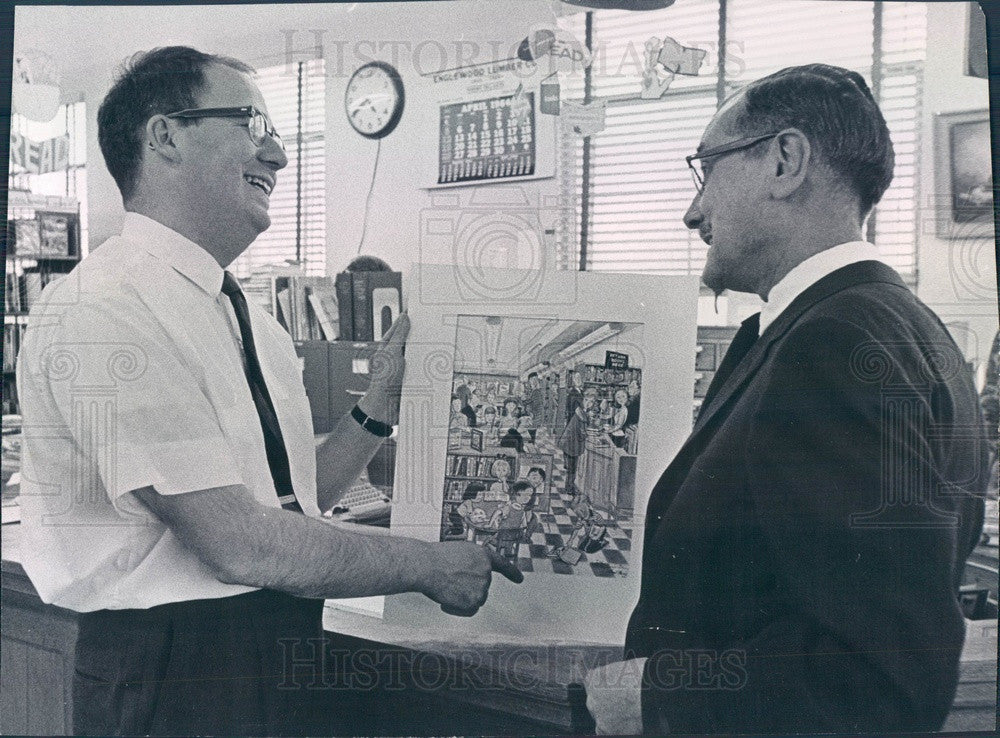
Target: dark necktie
column 743, row 341
column 277, row 456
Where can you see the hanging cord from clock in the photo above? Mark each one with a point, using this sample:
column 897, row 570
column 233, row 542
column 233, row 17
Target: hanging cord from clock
column 368, row 198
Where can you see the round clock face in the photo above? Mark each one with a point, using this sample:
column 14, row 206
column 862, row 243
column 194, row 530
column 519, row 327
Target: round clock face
column 374, row 99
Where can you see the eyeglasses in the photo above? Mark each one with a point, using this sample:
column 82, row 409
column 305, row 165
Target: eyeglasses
column 738, row 145
column 258, row 125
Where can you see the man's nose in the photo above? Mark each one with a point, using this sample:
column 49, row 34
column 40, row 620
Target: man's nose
column 693, row 216
column 271, row 152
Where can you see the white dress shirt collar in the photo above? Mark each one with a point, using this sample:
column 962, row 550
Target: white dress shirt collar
column 809, row 272
column 183, row 254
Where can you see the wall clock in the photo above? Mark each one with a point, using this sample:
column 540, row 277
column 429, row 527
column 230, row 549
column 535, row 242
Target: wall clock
column 374, row 99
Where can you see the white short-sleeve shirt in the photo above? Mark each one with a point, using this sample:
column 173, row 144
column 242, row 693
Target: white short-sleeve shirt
column 131, row 375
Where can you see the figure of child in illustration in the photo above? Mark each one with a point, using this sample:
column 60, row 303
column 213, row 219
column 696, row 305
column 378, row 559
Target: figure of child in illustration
column 515, row 520
column 500, row 470
column 468, row 514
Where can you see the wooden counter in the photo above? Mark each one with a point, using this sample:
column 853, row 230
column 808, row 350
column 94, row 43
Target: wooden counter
column 366, row 688
column 398, row 688
column 608, row 477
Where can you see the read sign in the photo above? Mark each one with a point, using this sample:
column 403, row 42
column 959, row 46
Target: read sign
column 615, row 360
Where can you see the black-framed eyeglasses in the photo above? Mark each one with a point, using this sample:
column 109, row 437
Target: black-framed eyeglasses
column 728, row 148
column 258, row 125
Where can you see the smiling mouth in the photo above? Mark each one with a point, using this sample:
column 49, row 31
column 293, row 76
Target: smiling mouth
column 260, row 183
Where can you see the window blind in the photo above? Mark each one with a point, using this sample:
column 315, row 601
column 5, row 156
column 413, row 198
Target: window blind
column 903, row 49
column 298, row 202
column 638, row 186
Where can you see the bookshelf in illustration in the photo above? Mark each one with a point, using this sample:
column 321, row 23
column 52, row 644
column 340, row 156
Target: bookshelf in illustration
column 489, row 387
column 43, row 244
column 608, row 381
column 487, row 476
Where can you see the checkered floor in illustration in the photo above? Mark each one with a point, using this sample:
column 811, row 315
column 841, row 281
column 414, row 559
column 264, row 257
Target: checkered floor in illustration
column 558, row 524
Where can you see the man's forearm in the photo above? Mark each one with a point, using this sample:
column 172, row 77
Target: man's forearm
column 309, row 558
column 346, row 452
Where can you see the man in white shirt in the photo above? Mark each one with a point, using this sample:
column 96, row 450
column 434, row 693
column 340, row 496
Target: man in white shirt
column 803, row 551
column 172, row 490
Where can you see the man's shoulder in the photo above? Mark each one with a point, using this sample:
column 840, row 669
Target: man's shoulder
column 881, row 308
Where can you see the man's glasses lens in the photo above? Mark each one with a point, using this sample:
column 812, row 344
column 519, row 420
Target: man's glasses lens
column 259, row 130
column 696, row 176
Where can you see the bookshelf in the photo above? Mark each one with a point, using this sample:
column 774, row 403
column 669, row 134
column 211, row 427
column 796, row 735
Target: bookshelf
column 43, row 244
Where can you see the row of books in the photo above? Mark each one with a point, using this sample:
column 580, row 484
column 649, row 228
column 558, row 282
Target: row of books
column 305, row 306
column 21, row 291
column 475, row 466
column 12, row 335
column 454, row 491
column 368, row 303
column 600, row 375
column 46, row 235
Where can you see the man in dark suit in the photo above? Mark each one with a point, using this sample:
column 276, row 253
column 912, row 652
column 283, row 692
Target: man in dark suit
column 803, row 551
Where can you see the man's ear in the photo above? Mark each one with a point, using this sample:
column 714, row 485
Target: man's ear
column 160, row 137
column 793, row 155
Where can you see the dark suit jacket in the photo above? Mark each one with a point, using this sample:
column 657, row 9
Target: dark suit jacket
column 804, row 549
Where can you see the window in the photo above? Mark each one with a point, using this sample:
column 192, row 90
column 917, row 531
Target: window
column 631, row 185
column 295, row 99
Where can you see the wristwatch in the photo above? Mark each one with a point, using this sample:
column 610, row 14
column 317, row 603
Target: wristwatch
column 375, row 427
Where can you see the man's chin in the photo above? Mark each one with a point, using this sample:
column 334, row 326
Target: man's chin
column 712, row 279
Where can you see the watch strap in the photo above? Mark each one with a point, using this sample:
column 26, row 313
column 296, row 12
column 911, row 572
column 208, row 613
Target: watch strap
column 375, row 427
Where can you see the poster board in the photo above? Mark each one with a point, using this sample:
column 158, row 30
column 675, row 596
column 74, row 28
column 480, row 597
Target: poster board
column 546, row 607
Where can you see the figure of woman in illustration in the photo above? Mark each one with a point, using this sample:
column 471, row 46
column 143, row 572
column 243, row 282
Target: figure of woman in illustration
column 619, row 415
column 488, row 422
column 633, row 404
column 508, row 419
column 573, row 440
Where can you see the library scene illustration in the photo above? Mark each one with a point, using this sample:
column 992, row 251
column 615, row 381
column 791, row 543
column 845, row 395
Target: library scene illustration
column 543, row 436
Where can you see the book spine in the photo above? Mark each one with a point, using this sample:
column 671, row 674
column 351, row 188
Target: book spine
column 345, row 309
column 363, row 328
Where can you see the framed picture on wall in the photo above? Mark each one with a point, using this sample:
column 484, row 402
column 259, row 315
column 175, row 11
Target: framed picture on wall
column 963, row 175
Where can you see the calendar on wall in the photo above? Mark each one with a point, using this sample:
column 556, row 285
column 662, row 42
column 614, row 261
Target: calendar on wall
column 487, row 140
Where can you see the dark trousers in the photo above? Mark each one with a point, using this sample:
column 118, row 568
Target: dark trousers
column 571, row 473
column 231, row 666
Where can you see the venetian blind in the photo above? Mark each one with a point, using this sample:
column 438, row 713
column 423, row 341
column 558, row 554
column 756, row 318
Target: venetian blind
column 298, row 202
column 638, row 187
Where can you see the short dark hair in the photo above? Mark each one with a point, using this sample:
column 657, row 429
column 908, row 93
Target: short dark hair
column 835, row 108
column 523, row 486
column 155, row 82
column 472, row 490
column 538, row 469
column 366, row 263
